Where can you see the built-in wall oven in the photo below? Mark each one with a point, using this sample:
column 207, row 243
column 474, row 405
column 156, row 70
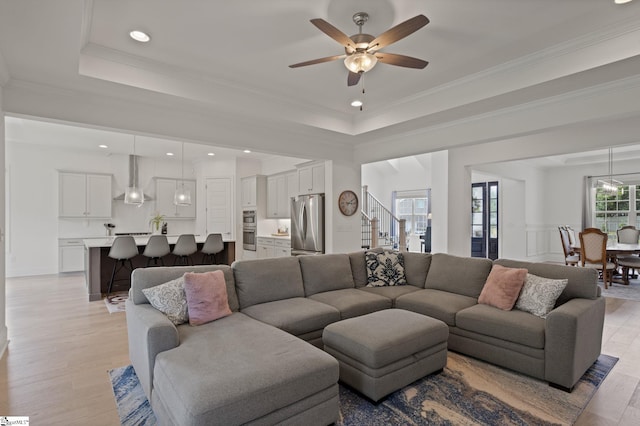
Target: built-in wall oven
column 249, row 227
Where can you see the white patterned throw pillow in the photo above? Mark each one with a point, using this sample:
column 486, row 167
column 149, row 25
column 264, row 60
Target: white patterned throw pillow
column 170, row 299
column 539, row 295
column 385, row 269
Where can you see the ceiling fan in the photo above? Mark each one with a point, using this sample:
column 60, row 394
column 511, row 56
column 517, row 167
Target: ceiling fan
column 362, row 50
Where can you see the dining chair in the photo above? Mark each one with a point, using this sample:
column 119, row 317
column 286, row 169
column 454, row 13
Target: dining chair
column 628, row 235
column 572, row 236
column 593, row 244
column 184, row 248
column 630, row 262
column 156, row 248
column 123, row 249
column 212, row 246
column 570, row 256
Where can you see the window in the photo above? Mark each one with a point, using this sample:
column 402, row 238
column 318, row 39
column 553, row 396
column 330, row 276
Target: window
column 413, row 206
column 618, row 209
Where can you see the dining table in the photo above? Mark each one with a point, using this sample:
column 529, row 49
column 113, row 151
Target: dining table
column 615, row 249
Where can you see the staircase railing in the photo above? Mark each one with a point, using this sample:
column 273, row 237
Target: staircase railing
column 380, row 228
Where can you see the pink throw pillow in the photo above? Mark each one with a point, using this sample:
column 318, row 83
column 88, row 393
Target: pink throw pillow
column 502, row 287
column 206, row 296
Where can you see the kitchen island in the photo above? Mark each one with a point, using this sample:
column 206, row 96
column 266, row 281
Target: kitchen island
column 98, row 264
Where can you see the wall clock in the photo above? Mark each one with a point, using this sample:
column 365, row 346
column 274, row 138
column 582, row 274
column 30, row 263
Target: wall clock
column 348, row 203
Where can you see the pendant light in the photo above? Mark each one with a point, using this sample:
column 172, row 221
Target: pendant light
column 133, row 194
column 182, row 196
column 610, row 185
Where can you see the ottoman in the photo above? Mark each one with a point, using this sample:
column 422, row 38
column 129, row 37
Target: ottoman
column 384, row 351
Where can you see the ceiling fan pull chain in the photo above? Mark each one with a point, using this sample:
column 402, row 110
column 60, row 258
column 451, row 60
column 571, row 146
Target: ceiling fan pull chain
column 363, row 91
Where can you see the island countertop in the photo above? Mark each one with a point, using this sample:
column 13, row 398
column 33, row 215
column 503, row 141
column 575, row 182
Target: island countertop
column 99, row 266
column 141, row 240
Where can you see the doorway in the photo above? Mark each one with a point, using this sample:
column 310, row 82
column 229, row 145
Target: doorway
column 484, row 220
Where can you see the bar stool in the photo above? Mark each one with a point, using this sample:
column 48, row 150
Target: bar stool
column 156, row 248
column 184, row 248
column 212, row 246
column 123, row 249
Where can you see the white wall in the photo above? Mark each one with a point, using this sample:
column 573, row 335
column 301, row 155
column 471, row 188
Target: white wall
column 342, row 233
column 400, row 174
column 3, row 297
column 33, row 227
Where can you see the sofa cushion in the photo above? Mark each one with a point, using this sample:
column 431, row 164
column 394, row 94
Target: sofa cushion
column 200, row 383
column 353, row 302
column 326, row 273
column 502, row 287
column 206, row 295
column 170, row 299
column 539, row 295
column 149, row 277
column 437, row 304
column 391, row 292
column 461, row 275
column 416, row 267
column 359, row 266
column 582, row 282
column 385, row 269
column 512, row 326
column 296, row 316
column 266, row 280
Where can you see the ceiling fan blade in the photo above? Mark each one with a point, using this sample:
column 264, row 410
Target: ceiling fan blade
column 398, row 32
column 317, row 61
column 401, row 60
column 334, row 33
column 353, row 78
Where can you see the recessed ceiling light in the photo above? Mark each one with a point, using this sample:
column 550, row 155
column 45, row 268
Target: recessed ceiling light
column 170, row 154
column 246, row 151
column 621, row 1
column 210, row 154
column 140, row 36
column 103, row 146
column 356, row 103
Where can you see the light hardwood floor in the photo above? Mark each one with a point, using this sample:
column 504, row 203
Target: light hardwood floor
column 61, row 347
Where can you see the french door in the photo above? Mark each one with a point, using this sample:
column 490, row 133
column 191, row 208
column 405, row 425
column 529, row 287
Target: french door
column 484, row 220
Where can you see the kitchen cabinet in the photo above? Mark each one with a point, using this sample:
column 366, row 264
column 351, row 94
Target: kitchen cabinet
column 273, row 247
column 165, row 192
column 254, row 193
column 70, row 255
column 84, row 195
column 264, row 248
column 278, row 195
column 281, row 248
column 311, row 179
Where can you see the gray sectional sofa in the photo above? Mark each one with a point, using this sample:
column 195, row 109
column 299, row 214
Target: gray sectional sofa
column 256, row 366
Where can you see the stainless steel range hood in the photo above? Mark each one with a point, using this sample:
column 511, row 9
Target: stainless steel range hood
column 133, row 178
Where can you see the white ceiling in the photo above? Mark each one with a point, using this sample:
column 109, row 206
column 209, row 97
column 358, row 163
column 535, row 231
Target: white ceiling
column 226, row 63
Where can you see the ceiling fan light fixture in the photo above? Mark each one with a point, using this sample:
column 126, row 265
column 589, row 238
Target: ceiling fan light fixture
column 356, row 103
column 360, row 62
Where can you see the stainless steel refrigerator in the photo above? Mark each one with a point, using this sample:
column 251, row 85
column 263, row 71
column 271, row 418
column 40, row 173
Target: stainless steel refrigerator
column 307, row 224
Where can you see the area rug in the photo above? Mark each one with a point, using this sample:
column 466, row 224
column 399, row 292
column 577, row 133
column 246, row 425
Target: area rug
column 621, row 291
column 467, row 392
column 115, row 302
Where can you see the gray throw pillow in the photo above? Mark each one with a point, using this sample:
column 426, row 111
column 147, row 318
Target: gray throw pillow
column 170, row 299
column 385, row 269
column 539, row 295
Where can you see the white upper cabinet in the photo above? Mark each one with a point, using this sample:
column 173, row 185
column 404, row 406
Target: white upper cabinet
column 254, row 193
column 84, row 195
column 249, row 191
column 165, row 192
column 278, row 194
column 311, row 179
